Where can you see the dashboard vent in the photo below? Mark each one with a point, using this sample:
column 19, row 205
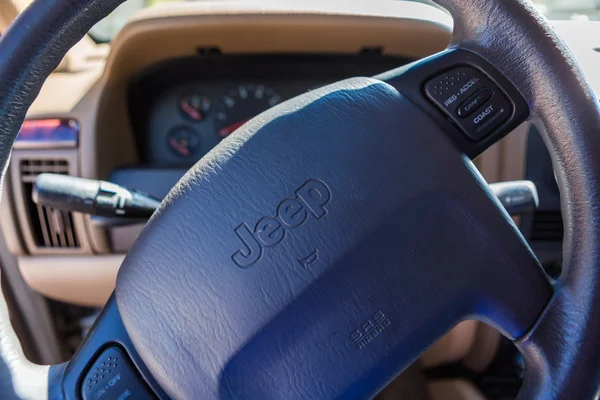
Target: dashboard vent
column 51, row 228
column 547, row 226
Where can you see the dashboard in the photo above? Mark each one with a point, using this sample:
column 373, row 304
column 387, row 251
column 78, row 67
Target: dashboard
column 184, row 108
column 176, row 81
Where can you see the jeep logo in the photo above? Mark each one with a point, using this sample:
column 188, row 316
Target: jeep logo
column 311, row 198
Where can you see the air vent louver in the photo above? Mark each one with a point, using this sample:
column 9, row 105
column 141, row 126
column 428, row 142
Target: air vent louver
column 51, row 228
column 547, row 226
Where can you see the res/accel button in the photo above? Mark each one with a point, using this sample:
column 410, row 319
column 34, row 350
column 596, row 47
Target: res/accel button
column 474, row 101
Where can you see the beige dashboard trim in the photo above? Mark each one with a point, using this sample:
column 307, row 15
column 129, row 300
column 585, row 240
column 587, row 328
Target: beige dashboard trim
column 484, row 349
column 147, row 42
column 8, row 220
column 86, row 281
column 8, row 12
column 505, row 161
column 454, row 389
column 453, row 347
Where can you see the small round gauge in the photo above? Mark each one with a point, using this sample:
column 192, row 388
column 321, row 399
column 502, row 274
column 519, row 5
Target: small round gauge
column 183, row 141
column 195, row 106
column 241, row 104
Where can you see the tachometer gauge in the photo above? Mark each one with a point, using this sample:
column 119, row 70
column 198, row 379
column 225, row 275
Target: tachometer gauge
column 194, row 106
column 183, row 141
column 241, row 104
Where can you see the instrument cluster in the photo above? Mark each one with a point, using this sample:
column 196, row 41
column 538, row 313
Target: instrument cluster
column 182, row 108
column 189, row 120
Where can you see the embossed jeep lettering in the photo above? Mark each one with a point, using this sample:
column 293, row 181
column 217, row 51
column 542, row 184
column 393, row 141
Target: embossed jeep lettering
column 311, row 198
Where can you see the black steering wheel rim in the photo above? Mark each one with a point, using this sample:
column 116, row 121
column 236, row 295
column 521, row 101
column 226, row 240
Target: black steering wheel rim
column 562, row 343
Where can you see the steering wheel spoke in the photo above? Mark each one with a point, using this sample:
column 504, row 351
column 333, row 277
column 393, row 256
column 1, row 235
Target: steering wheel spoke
column 474, row 103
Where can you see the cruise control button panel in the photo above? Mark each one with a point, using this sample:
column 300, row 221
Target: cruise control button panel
column 113, row 377
column 470, row 100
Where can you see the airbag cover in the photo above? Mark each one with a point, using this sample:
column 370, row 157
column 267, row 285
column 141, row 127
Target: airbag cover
column 312, row 221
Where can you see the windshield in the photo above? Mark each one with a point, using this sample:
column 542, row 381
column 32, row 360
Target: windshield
column 106, row 29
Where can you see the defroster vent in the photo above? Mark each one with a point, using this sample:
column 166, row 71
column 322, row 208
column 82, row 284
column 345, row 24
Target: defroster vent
column 51, row 228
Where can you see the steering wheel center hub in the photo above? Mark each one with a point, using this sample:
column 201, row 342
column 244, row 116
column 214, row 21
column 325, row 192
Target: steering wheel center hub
column 340, row 223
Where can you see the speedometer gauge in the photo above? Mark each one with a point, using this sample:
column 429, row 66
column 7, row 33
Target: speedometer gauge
column 240, row 105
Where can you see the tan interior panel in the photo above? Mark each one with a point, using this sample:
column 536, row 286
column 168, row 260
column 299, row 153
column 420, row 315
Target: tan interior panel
column 86, row 281
column 8, row 12
column 505, row 161
column 453, row 347
column 154, row 36
column 484, row 349
column 8, row 221
column 454, row 389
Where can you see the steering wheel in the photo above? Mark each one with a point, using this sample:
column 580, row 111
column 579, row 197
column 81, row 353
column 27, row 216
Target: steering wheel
column 325, row 245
